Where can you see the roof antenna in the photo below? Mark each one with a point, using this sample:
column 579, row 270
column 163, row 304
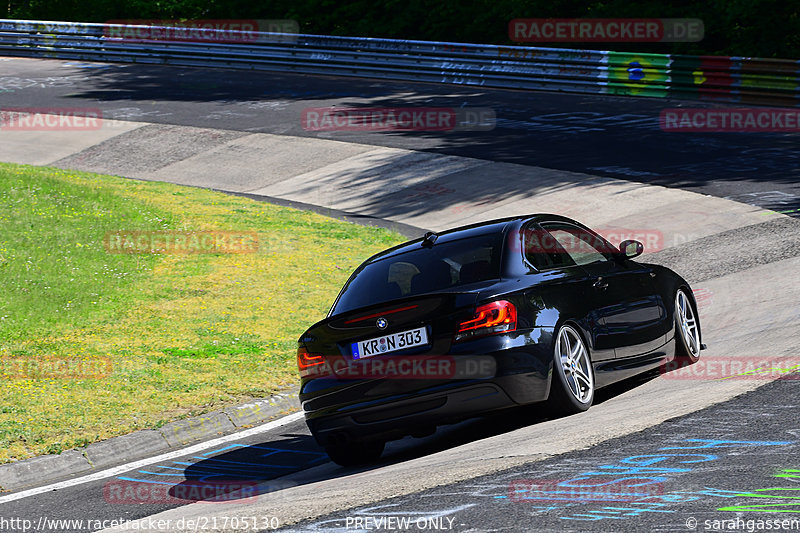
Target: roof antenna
column 428, row 239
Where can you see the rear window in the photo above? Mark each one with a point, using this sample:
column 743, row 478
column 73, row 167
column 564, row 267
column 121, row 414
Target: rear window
column 423, row 270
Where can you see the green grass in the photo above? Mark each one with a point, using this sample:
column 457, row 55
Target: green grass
column 182, row 334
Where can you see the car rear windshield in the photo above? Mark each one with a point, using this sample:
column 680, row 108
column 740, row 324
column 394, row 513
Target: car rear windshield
column 422, row 270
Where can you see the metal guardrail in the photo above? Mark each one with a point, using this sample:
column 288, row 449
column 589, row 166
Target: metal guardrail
column 722, row 79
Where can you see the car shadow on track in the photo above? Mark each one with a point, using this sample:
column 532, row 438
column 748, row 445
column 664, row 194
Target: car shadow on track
column 239, row 471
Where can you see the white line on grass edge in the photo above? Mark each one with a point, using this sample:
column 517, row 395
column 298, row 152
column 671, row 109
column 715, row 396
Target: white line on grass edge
column 144, row 462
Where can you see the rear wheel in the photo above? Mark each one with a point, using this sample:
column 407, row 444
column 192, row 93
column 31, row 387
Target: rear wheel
column 353, row 453
column 687, row 329
column 572, row 388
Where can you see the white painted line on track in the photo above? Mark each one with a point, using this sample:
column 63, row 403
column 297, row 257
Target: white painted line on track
column 288, row 419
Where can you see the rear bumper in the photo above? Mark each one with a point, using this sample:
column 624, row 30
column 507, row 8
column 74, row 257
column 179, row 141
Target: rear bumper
column 396, row 419
column 389, row 409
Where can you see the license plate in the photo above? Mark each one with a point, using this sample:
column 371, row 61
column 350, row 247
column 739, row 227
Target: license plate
column 389, row 343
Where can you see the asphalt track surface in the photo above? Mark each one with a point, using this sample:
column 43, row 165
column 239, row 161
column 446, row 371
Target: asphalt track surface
column 616, row 137
column 697, row 473
column 653, row 480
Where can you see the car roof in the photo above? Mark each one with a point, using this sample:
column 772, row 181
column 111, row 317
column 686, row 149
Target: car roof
column 477, row 229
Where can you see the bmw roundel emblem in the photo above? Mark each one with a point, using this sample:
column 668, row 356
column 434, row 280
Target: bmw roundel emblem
column 382, row 323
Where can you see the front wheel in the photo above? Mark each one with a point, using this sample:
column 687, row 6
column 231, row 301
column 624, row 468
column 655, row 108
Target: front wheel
column 687, row 329
column 572, row 388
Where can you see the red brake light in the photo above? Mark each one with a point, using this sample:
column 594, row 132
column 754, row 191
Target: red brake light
column 306, row 361
column 494, row 317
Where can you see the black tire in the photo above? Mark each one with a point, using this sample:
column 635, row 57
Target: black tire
column 687, row 329
column 572, row 387
column 354, row 453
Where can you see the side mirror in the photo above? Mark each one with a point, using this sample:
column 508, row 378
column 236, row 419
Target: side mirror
column 630, row 249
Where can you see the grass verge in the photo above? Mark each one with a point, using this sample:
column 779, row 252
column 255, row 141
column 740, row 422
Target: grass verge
column 95, row 344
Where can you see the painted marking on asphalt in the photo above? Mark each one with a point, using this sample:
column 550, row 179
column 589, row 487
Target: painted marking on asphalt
column 208, row 465
column 114, row 471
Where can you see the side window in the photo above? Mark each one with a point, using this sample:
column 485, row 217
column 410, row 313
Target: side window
column 543, row 251
column 583, row 247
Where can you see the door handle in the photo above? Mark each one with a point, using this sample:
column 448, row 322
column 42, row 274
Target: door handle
column 600, row 283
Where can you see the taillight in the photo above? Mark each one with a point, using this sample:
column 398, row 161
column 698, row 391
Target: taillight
column 494, row 317
column 307, row 361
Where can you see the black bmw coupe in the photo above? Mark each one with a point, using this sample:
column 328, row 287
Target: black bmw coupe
column 499, row 314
